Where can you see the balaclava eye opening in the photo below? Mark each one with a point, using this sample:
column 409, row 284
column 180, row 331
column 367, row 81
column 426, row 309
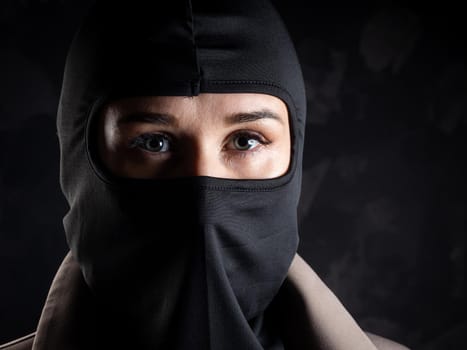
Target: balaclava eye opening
column 95, row 124
column 181, row 263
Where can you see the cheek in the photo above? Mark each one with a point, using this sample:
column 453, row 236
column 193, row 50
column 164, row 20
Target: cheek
column 265, row 164
column 281, row 156
column 115, row 155
column 105, row 144
column 108, row 149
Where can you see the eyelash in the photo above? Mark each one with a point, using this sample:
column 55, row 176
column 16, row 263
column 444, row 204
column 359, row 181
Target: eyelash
column 251, row 136
column 140, row 141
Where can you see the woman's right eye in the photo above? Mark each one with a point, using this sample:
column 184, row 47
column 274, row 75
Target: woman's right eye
column 156, row 143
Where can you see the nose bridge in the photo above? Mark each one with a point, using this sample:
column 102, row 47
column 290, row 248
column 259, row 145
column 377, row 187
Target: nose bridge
column 202, row 159
column 201, row 163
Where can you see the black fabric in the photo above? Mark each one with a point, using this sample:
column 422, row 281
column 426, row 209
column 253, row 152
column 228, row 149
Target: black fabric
column 182, row 263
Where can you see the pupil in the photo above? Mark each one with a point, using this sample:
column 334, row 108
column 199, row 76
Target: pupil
column 155, row 143
column 243, row 142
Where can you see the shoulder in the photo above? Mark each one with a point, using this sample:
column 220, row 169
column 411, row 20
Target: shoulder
column 24, row 343
column 326, row 319
column 382, row 343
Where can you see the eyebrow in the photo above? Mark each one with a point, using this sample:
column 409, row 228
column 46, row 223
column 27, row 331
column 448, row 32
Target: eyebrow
column 238, row 118
column 148, row 117
column 167, row 119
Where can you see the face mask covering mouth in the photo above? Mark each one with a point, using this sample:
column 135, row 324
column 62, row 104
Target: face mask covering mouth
column 192, row 262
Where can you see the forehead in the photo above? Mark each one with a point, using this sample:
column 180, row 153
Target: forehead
column 202, row 104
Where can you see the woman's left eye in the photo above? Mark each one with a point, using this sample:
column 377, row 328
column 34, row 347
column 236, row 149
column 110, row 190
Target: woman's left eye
column 245, row 141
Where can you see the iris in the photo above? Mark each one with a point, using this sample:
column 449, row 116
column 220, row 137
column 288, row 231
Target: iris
column 152, row 142
column 245, row 142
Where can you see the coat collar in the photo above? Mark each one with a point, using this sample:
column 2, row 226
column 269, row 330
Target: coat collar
column 67, row 320
column 70, row 318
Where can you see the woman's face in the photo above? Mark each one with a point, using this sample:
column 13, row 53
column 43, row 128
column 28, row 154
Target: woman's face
column 237, row 136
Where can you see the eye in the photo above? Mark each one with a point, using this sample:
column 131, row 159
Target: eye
column 245, row 141
column 156, row 143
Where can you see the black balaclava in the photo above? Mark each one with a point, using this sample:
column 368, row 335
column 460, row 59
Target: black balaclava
column 181, row 263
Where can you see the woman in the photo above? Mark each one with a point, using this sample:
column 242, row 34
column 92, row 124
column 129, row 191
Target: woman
column 181, row 132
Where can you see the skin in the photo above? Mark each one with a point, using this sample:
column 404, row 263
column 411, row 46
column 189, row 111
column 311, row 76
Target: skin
column 237, row 136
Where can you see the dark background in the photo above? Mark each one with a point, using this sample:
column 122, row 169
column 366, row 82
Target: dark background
column 384, row 203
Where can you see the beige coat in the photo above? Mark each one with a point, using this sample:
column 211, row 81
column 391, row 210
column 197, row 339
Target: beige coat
column 315, row 319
